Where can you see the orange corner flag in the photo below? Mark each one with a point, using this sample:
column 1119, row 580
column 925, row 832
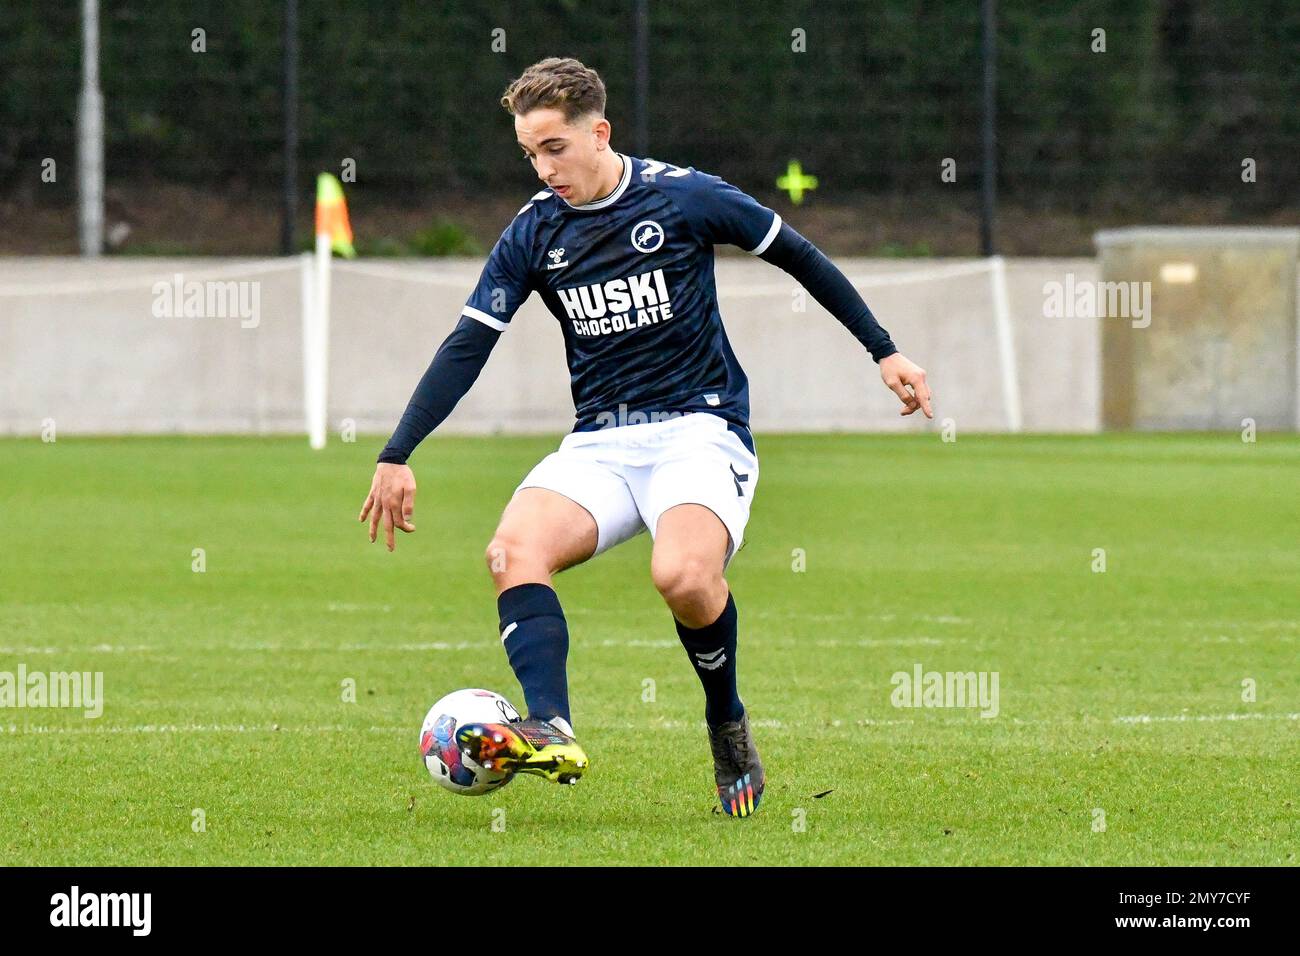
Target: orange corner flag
column 332, row 215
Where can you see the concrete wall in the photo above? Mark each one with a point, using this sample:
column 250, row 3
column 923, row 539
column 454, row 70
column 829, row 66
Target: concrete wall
column 81, row 343
column 1218, row 344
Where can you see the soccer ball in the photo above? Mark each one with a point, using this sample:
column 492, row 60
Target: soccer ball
column 442, row 755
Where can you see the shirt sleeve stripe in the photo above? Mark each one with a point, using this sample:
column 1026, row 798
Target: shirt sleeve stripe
column 771, row 234
column 486, row 319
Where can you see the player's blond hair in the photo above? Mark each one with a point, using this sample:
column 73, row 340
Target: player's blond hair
column 560, row 83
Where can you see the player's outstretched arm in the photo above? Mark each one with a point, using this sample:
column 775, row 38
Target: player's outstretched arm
column 836, row 294
column 460, row 358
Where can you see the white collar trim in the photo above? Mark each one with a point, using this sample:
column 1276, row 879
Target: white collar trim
column 612, row 197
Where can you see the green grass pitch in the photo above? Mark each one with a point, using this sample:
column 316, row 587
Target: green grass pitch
column 1120, row 692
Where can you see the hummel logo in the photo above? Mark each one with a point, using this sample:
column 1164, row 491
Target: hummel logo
column 555, row 255
column 711, row 661
column 738, row 478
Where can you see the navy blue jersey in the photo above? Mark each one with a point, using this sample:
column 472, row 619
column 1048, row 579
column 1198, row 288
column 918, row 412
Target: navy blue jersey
column 630, row 279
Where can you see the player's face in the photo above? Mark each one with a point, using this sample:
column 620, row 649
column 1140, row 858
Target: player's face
column 567, row 158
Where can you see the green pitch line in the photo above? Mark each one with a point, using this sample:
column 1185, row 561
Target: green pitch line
column 1120, row 692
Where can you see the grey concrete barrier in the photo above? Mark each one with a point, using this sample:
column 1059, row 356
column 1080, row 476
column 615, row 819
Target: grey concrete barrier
column 109, row 347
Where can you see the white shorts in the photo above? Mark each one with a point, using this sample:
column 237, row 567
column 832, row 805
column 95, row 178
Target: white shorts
column 629, row 475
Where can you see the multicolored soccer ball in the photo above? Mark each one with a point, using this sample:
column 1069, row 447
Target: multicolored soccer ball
column 448, row 766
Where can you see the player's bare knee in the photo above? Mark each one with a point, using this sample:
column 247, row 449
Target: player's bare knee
column 502, row 554
column 686, row 580
column 513, row 560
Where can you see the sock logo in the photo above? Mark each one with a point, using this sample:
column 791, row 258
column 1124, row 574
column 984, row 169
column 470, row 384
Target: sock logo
column 508, row 631
column 711, row 661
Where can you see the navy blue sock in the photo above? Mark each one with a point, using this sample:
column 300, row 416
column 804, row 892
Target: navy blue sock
column 712, row 650
column 536, row 638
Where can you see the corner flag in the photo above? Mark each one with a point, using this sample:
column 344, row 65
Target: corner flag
column 332, row 215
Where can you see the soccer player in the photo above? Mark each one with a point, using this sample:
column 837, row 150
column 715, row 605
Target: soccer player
column 621, row 251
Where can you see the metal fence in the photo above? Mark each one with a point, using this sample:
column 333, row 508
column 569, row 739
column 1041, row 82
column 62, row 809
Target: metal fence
column 1101, row 103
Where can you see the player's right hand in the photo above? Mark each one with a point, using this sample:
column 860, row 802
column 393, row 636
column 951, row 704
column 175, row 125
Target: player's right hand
column 391, row 500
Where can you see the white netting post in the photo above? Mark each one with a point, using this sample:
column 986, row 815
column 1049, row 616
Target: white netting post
column 315, row 339
column 1006, row 343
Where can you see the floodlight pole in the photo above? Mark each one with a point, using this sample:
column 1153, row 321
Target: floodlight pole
column 988, row 187
column 289, row 197
column 641, row 77
column 90, row 137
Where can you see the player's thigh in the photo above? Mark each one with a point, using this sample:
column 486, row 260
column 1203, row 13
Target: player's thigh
column 718, row 475
column 593, row 479
column 545, row 527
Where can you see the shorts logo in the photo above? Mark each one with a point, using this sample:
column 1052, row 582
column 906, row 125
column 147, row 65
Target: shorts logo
column 738, row 478
column 647, row 236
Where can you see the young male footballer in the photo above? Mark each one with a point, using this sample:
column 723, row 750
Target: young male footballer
column 621, row 251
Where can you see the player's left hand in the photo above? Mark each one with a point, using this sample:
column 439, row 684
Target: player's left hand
column 899, row 373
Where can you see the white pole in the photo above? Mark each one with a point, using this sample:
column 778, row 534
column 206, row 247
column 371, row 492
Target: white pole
column 90, row 137
column 319, row 346
column 1006, row 343
column 307, row 285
